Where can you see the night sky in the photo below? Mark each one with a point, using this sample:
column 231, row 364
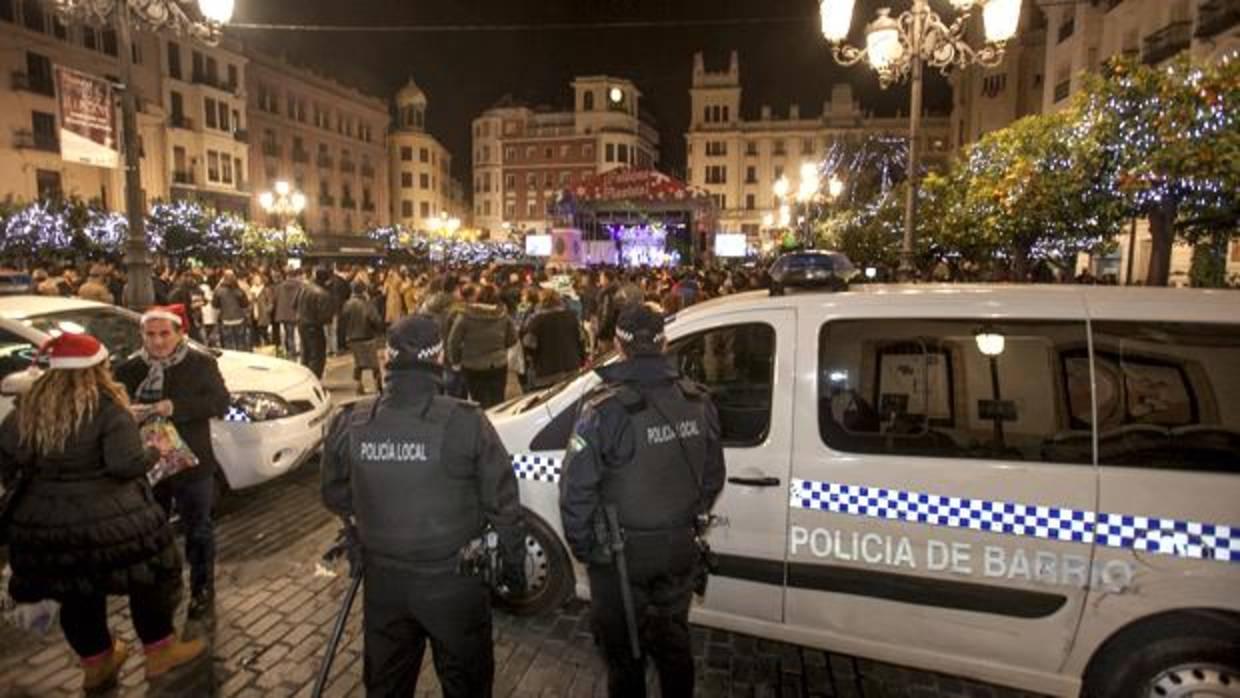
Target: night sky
column 463, row 73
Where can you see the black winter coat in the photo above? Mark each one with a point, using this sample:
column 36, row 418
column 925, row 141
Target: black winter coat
column 554, row 340
column 361, row 320
column 198, row 394
column 88, row 523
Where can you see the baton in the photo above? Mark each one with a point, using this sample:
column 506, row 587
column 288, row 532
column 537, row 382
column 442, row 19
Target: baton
column 622, row 570
column 337, row 632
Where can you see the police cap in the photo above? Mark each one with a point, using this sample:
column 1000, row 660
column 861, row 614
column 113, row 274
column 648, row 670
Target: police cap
column 414, row 340
column 639, row 329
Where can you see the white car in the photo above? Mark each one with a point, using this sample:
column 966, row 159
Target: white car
column 279, row 409
column 1030, row 486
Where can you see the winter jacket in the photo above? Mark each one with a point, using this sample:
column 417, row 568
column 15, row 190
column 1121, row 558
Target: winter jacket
column 232, row 302
column 315, row 305
column 554, row 339
column 284, row 310
column 480, row 339
column 87, row 524
column 185, row 295
column 198, row 395
column 442, row 305
column 339, row 289
column 263, row 305
column 360, row 319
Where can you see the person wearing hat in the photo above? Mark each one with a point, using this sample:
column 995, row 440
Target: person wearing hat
column 647, row 447
column 83, row 525
column 170, row 378
column 96, row 286
column 421, row 476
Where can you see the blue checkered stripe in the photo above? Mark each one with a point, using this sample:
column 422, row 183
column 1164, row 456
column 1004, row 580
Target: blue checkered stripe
column 537, row 468
column 1166, row 536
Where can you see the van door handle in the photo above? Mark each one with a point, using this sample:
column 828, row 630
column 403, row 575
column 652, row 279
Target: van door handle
column 755, row 481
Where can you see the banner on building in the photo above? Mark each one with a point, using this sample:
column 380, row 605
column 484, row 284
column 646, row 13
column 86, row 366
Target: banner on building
column 88, row 131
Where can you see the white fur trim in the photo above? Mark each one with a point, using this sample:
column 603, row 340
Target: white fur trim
column 74, row 362
column 161, row 315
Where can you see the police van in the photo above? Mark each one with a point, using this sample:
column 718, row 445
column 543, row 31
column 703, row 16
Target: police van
column 1030, row 486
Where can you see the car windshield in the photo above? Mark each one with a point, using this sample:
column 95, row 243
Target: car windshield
column 117, row 329
column 549, row 393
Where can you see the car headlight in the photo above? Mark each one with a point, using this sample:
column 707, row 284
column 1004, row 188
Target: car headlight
column 257, row 407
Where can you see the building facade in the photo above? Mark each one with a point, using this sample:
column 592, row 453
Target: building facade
column 524, row 157
column 424, row 194
column 988, row 99
column 1082, row 37
column 738, row 160
column 326, row 139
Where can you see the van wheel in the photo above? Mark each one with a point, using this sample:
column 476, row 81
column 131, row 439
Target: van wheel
column 1204, row 662
column 548, row 572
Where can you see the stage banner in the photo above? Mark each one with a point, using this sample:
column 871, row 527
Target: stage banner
column 87, row 119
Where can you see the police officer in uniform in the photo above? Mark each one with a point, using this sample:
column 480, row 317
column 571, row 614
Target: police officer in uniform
column 646, row 443
column 422, row 475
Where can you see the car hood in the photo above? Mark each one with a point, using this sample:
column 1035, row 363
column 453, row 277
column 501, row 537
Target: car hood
column 255, row 372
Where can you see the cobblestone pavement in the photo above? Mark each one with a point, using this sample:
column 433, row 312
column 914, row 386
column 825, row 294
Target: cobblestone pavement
column 273, row 616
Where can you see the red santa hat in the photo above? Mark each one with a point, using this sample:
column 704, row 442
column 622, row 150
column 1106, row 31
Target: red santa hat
column 172, row 313
column 70, row 351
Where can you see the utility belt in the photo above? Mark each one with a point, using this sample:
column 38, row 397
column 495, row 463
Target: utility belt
column 707, row 562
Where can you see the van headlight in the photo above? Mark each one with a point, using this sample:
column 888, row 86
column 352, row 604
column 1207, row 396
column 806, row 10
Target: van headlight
column 257, row 407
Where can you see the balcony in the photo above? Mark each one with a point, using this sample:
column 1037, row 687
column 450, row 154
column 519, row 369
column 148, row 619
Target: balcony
column 348, row 203
column 38, row 84
column 348, row 167
column 241, row 135
column 202, row 78
column 324, row 160
column 271, row 150
column 1216, row 16
column 182, row 177
column 181, row 121
column 368, row 170
column 1167, row 42
column 25, row 139
column 301, row 155
column 326, row 200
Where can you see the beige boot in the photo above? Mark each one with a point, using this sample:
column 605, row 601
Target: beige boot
column 100, row 672
column 170, row 653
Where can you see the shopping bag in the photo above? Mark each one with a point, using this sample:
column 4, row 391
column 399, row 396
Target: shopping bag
column 32, row 617
column 175, row 456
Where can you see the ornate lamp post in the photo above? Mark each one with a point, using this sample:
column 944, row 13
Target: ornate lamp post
column 284, row 204
column 899, row 47
column 200, row 20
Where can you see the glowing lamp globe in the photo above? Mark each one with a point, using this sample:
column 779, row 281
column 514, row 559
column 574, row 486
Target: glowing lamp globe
column 990, row 343
column 835, row 187
column 882, row 41
column 836, row 18
column 1000, row 19
column 299, row 202
column 220, row 11
column 267, row 200
column 282, row 188
column 781, row 187
column 616, row 95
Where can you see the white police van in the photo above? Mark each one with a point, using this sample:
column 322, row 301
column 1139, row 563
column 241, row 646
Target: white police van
column 1030, row 486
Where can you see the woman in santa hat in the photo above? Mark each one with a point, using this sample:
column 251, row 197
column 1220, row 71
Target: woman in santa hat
column 84, row 524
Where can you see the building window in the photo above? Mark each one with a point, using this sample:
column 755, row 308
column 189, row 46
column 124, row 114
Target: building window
column 406, row 180
column 565, row 150
column 43, row 127
column 406, row 209
column 565, row 177
column 531, row 209
column 587, row 101
column 807, row 146
column 32, row 13
column 779, row 171
column 778, row 147
column 47, row 183
column 406, row 153
column 424, row 155
column 424, row 181
column 749, row 202
column 721, row 201
column 226, row 175
column 994, row 85
column 6, row 11
column 510, row 210
column 717, row 174
column 486, row 207
column 39, row 74
column 213, row 166
column 716, row 148
column 208, row 109
column 486, row 182
column 622, row 153
column 425, row 209
column 531, row 180
column 510, row 181
column 610, row 150
column 224, row 122
column 751, row 175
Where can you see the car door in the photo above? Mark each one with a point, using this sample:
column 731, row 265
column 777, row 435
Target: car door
column 746, row 358
column 943, row 488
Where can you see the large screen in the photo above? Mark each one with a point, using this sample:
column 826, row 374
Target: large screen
column 730, row 245
column 538, row 245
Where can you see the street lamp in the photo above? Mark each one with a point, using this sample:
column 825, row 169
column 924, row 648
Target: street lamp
column 803, row 194
column 835, row 187
column 991, row 343
column 177, row 16
column 285, row 204
column 898, row 48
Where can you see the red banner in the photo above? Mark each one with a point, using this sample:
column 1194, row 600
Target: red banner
column 635, row 185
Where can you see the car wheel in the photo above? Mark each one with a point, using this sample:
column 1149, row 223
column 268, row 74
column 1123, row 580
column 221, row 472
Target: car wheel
column 548, row 572
column 1201, row 662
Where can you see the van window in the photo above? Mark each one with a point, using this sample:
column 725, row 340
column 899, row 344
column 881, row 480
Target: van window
column 737, row 364
column 955, row 389
column 1168, row 395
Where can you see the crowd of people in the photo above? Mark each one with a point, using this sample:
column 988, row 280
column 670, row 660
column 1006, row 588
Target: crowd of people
column 539, row 324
